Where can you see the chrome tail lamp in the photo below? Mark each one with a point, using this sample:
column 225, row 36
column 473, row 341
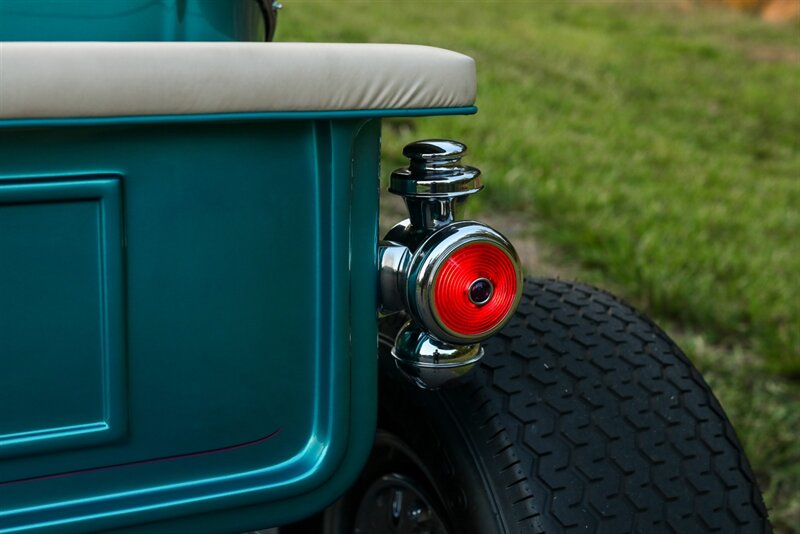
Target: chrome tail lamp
column 458, row 281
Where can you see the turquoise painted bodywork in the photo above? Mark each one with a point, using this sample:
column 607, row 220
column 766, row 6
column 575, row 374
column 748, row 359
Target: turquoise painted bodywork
column 131, row 20
column 188, row 325
column 188, row 319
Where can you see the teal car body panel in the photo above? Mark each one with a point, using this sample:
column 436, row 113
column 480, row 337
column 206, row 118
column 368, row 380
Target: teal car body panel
column 131, row 20
column 186, row 311
column 188, row 326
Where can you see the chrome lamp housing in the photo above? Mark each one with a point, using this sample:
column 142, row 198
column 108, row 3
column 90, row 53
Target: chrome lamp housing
column 430, row 349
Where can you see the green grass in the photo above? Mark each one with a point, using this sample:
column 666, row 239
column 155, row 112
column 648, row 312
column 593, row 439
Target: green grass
column 663, row 151
column 658, row 149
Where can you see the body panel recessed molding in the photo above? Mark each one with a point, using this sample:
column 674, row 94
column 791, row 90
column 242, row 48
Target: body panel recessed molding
column 62, row 351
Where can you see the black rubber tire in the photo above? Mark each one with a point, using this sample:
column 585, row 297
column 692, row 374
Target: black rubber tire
column 583, row 416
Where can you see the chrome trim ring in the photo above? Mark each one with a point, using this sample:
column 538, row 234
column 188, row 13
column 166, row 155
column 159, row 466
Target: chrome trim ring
column 454, row 182
column 424, row 266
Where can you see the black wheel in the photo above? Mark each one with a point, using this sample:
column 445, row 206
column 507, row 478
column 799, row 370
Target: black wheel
column 582, row 417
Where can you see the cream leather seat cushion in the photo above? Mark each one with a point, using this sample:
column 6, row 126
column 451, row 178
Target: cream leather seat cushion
column 88, row 79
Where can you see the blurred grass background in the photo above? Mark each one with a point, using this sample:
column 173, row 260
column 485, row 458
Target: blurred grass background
column 653, row 149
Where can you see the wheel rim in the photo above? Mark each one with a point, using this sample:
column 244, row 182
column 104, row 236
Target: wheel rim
column 395, row 503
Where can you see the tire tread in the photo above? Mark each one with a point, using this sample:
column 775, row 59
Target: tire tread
column 592, row 420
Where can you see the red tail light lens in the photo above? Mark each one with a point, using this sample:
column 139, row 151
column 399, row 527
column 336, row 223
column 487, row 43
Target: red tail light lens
column 475, row 289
